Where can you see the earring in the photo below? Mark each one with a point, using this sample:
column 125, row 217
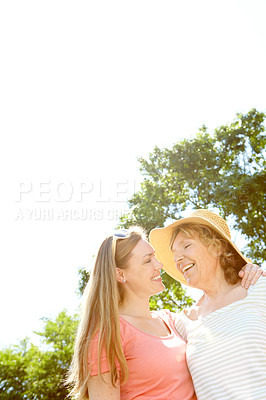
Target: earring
column 123, row 280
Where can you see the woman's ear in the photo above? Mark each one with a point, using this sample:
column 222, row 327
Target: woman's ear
column 120, row 277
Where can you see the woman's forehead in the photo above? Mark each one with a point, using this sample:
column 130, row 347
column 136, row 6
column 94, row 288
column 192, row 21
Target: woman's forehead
column 182, row 237
column 142, row 248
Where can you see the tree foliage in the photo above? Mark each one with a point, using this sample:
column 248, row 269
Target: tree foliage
column 84, row 276
column 32, row 373
column 224, row 170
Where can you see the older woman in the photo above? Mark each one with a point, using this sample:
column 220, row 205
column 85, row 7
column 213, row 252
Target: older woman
column 225, row 329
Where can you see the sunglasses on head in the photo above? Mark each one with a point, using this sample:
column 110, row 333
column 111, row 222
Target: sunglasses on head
column 118, row 235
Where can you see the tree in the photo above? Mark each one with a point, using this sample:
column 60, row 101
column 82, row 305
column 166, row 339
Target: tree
column 224, row 170
column 13, row 371
column 32, row 373
column 83, row 279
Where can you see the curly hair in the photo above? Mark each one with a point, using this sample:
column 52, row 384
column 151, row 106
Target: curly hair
column 230, row 261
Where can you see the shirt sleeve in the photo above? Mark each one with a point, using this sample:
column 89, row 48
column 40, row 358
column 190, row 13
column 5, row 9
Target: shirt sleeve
column 93, row 357
column 259, row 291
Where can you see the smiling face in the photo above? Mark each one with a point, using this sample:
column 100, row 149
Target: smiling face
column 193, row 259
column 142, row 273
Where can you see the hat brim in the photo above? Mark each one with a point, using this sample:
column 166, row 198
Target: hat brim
column 160, row 239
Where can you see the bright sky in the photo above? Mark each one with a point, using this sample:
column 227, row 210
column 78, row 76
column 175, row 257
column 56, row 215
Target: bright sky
column 86, row 88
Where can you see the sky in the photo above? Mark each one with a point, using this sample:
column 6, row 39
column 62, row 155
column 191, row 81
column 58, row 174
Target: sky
column 86, row 89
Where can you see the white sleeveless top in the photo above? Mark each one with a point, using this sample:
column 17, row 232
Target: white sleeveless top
column 226, row 350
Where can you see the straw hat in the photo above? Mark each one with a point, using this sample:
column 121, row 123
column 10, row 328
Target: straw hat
column 160, row 239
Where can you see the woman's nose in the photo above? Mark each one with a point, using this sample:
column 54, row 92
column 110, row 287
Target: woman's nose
column 158, row 265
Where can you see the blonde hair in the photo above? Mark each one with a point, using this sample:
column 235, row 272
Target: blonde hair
column 230, row 261
column 100, row 313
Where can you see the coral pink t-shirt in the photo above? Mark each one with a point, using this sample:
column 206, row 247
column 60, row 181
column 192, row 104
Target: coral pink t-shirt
column 157, row 365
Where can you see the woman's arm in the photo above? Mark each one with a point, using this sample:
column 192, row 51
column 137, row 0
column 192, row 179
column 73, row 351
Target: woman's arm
column 250, row 274
column 102, row 389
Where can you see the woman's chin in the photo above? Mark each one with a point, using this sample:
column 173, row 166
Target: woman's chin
column 192, row 282
column 161, row 289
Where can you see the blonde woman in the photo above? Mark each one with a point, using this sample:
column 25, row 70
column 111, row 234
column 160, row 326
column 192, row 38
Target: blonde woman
column 225, row 329
column 123, row 350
